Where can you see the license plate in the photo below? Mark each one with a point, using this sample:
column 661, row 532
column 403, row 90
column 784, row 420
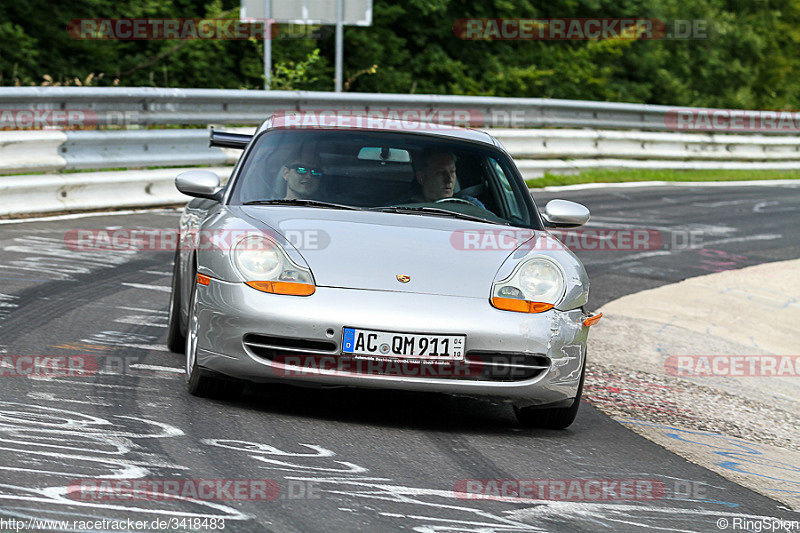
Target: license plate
column 403, row 345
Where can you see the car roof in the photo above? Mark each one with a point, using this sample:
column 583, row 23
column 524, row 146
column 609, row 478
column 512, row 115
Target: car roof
column 344, row 120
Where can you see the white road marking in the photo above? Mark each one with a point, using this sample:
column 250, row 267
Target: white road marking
column 140, row 321
column 427, row 501
column 51, row 256
column 761, row 207
column 6, row 300
column 159, row 288
column 155, row 347
column 53, row 441
column 722, row 203
column 125, row 340
column 706, row 244
column 142, row 310
column 697, row 229
column 158, row 368
column 52, row 397
column 104, row 385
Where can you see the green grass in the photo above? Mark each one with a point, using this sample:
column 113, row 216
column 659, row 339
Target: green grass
column 618, row 176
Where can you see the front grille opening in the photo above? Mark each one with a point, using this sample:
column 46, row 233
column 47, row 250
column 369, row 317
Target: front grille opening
column 268, row 346
column 509, row 366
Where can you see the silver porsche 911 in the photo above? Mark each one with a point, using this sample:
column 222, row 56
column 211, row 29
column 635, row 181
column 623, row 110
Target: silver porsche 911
column 384, row 255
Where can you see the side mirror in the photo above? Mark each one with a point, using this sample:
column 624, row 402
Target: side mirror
column 565, row 214
column 199, row 183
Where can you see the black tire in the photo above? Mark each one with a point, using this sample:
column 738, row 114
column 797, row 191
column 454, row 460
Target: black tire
column 207, row 384
column 200, row 381
column 553, row 417
column 176, row 335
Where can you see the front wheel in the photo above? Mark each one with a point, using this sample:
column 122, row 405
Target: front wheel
column 176, row 338
column 200, row 381
column 552, row 417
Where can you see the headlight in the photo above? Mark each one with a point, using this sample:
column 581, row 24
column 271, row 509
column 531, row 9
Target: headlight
column 264, row 265
column 536, row 285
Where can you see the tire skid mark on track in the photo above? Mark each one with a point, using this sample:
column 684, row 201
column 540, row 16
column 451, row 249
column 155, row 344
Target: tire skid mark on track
column 457, row 447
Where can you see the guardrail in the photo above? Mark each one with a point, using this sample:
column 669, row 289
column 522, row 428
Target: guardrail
column 566, row 151
column 46, row 151
column 548, row 149
column 535, row 151
column 153, row 106
column 539, row 148
column 81, row 191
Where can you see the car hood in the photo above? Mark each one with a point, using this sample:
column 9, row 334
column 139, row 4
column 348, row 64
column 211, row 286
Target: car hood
column 370, row 250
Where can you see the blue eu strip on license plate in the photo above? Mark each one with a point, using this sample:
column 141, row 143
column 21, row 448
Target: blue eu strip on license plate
column 348, row 340
column 403, row 345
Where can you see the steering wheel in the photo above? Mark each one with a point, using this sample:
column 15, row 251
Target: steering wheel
column 454, row 199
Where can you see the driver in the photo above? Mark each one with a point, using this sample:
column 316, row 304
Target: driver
column 302, row 177
column 437, row 178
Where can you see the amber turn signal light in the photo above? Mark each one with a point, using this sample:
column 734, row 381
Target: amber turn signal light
column 202, row 279
column 520, row 306
column 592, row 320
column 283, row 287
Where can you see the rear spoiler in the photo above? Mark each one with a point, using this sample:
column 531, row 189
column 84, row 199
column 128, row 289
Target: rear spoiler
column 228, row 140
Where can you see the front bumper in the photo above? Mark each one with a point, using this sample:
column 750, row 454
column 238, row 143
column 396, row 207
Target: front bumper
column 227, row 312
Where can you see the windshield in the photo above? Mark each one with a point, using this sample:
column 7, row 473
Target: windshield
column 387, row 171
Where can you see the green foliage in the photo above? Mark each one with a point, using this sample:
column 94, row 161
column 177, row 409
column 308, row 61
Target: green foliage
column 748, row 59
column 294, row 75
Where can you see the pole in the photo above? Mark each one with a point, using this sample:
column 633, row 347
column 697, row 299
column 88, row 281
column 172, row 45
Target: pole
column 339, row 43
column 267, row 44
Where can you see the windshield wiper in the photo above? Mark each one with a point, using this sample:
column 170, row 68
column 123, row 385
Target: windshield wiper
column 301, row 202
column 435, row 212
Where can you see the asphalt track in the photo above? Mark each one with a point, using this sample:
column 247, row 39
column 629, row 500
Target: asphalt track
column 344, row 460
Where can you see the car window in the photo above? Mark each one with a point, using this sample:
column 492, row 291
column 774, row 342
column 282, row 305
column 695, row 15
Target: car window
column 506, row 190
column 373, row 170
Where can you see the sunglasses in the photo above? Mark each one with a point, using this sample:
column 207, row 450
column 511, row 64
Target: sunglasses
column 302, row 170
